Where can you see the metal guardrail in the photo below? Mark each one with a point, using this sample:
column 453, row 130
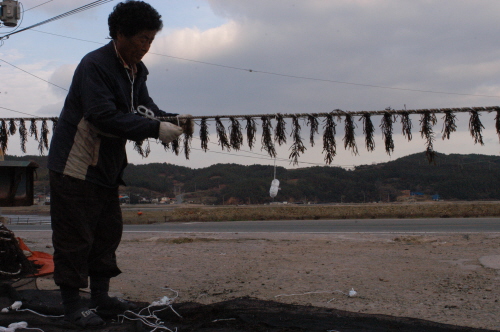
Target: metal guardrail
column 27, row 221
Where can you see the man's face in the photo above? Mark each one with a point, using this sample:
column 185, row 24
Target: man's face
column 133, row 49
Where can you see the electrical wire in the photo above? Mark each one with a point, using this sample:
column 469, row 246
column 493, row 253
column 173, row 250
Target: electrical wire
column 293, row 76
column 27, row 72
column 11, row 110
column 61, row 16
column 37, row 6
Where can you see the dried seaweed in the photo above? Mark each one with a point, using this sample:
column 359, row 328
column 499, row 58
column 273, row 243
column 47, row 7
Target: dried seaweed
column 267, row 141
column 221, row 134
column 251, row 128
column 313, row 123
column 297, row 146
column 449, row 124
column 280, row 130
column 349, row 134
column 368, row 130
column 204, row 137
column 235, row 135
column 497, row 123
column 138, row 146
column 175, row 145
column 329, row 144
column 23, row 135
column 4, row 136
column 187, row 125
column 386, row 126
column 427, row 121
column 33, row 129
column 43, row 143
column 406, row 125
column 54, row 124
column 476, row 127
column 12, row 127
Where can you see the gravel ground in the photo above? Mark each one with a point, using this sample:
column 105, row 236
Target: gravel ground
column 445, row 278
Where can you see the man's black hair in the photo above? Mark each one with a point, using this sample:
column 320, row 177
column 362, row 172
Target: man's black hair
column 131, row 17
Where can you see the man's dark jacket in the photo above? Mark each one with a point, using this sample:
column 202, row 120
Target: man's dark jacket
column 97, row 120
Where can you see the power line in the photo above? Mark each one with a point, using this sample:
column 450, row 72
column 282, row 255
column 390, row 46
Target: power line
column 58, row 17
column 37, row 6
column 8, row 109
column 294, row 76
column 262, row 156
column 33, row 75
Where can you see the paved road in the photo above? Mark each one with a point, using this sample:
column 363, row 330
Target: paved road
column 440, row 225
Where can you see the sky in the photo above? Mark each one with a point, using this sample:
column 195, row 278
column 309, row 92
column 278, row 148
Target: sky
column 236, row 57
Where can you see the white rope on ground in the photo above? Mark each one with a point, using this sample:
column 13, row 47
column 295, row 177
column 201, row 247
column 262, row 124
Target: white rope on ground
column 351, row 293
column 148, row 316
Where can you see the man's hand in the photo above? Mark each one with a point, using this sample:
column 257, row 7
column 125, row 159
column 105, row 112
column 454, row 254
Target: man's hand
column 168, row 132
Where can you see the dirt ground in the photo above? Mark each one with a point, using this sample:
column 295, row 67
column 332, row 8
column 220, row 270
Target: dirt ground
column 446, row 278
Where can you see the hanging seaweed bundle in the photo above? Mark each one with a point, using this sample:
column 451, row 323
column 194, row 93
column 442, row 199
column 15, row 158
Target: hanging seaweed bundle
column 280, row 130
column 406, row 125
column 23, row 135
column 427, row 121
column 235, row 135
column 44, row 138
column 476, row 127
column 12, row 127
column 175, row 145
column 449, row 125
column 329, row 144
column 349, row 135
column 204, row 135
column 33, row 129
column 187, row 125
column 386, row 126
column 221, row 133
column 188, row 137
column 267, row 141
column 497, row 123
column 251, row 128
column 313, row 123
column 297, row 146
column 4, row 136
column 144, row 152
column 368, row 130
column 54, row 124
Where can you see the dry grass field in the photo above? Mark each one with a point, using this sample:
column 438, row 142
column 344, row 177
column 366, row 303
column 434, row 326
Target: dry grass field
column 150, row 213
column 185, row 213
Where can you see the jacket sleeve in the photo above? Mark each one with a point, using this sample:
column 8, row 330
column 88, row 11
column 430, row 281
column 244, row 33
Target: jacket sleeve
column 105, row 101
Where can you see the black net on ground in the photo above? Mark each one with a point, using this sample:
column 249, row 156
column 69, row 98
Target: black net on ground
column 242, row 314
column 13, row 262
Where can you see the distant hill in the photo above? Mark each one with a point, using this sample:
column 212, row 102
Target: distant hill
column 452, row 177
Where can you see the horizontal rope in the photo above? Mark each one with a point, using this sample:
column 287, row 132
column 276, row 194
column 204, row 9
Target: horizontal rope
column 336, row 112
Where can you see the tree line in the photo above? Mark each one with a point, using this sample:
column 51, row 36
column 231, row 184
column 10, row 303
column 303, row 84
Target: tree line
column 452, row 177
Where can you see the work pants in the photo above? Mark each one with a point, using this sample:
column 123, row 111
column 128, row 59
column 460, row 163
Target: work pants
column 86, row 230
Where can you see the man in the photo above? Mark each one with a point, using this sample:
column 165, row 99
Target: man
column 87, row 157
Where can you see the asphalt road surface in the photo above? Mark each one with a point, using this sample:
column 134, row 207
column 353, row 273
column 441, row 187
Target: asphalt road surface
column 434, row 225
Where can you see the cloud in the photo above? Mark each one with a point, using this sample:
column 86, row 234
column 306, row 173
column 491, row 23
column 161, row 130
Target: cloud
column 291, row 56
column 61, row 79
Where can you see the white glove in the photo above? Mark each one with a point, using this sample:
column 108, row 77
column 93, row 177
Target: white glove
column 168, row 132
